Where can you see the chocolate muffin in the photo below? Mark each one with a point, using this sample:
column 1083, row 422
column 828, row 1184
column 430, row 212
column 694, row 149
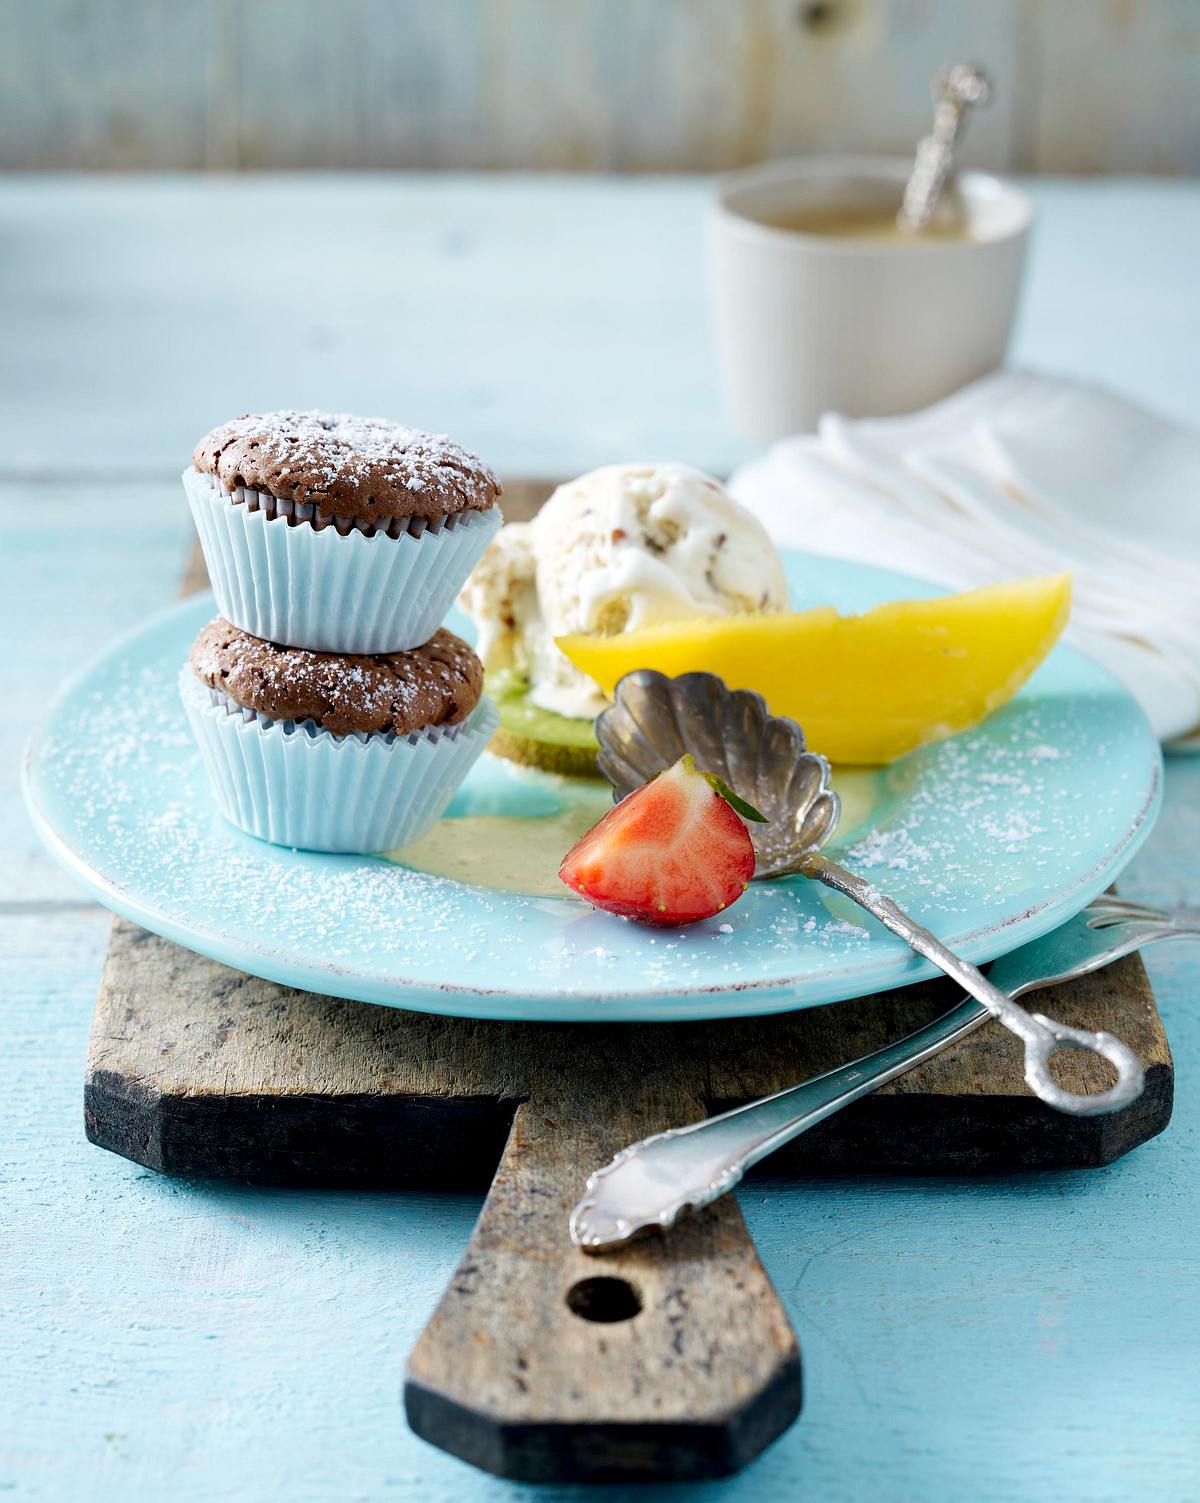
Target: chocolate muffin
column 338, row 533
column 364, row 471
column 391, row 694
column 334, row 752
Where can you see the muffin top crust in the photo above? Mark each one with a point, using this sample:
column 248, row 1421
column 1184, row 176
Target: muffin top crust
column 436, row 684
column 348, row 466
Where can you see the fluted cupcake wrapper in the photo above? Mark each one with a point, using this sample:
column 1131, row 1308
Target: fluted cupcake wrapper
column 327, row 589
column 295, row 784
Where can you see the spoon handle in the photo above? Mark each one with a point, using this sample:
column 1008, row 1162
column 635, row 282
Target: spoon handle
column 650, row 1183
column 1040, row 1035
column 954, row 91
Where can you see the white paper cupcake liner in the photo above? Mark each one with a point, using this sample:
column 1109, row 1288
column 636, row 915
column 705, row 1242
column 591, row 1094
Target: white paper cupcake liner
column 287, row 574
column 295, row 784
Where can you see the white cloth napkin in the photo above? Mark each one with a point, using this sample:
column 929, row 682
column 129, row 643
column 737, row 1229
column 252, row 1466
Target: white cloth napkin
column 1018, row 474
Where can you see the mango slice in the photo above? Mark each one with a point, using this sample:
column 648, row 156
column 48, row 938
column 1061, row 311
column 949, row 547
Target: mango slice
column 869, row 688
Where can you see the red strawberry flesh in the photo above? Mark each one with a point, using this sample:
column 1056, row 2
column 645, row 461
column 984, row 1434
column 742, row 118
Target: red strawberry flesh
column 673, row 852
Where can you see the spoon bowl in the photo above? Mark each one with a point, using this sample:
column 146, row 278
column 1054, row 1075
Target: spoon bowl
column 654, row 720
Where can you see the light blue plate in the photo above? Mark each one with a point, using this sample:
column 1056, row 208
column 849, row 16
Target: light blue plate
column 989, row 839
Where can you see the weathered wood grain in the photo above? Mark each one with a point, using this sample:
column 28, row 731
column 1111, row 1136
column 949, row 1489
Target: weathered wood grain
column 254, row 1338
column 550, row 324
column 1119, row 86
column 604, row 85
column 671, row 1359
column 195, row 1069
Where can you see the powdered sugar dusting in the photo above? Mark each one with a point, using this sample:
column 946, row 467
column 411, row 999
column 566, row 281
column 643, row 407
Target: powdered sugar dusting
column 367, row 466
column 297, row 670
column 893, row 849
column 393, row 693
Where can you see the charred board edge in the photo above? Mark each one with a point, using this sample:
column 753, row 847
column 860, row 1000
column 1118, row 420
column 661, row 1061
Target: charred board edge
column 360, row 1140
column 392, row 1142
column 945, row 1134
column 607, row 1451
column 690, row 1374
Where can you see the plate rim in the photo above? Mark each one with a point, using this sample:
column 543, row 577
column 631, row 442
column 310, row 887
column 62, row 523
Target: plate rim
column 700, row 1001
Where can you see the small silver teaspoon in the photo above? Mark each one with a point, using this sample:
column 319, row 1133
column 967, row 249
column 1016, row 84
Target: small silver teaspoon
column 654, row 720
column 648, row 1185
column 954, row 91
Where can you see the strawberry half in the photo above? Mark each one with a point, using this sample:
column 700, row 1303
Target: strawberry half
column 673, row 852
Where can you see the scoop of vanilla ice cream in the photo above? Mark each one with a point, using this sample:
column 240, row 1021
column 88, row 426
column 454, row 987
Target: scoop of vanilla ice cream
column 501, row 597
column 622, row 547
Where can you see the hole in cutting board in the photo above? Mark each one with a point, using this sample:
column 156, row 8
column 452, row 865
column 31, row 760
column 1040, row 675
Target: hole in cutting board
column 605, row 1300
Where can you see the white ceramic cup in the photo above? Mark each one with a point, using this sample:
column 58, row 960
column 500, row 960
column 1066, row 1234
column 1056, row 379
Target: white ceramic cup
column 809, row 323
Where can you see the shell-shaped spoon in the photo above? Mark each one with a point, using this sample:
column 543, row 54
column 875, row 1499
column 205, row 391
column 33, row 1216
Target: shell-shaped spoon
column 655, row 719
column 762, row 757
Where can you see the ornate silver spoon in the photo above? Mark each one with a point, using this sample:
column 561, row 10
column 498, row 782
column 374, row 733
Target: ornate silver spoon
column 654, row 720
column 954, row 91
column 648, row 1185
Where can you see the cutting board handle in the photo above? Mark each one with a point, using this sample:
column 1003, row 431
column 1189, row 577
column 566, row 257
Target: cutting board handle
column 670, row 1359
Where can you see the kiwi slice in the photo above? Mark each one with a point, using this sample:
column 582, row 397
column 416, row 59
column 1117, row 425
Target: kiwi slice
column 540, row 738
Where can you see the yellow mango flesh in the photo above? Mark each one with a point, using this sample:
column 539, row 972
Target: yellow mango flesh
column 869, row 688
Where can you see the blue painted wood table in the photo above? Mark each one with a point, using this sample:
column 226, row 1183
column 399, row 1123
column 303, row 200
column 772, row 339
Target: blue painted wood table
column 1031, row 1337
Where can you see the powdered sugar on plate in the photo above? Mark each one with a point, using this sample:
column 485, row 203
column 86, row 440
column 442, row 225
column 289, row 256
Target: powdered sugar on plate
column 986, row 839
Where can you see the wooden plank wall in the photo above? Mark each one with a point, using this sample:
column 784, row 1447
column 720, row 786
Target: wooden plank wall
column 601, row 85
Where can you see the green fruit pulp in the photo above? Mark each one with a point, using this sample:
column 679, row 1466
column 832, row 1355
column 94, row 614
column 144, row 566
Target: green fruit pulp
column 521, row 717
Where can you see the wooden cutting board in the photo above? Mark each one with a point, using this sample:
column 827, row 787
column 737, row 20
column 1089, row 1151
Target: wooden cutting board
column 671, row 1359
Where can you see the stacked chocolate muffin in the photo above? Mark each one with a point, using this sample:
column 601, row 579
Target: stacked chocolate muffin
column 333, row 711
